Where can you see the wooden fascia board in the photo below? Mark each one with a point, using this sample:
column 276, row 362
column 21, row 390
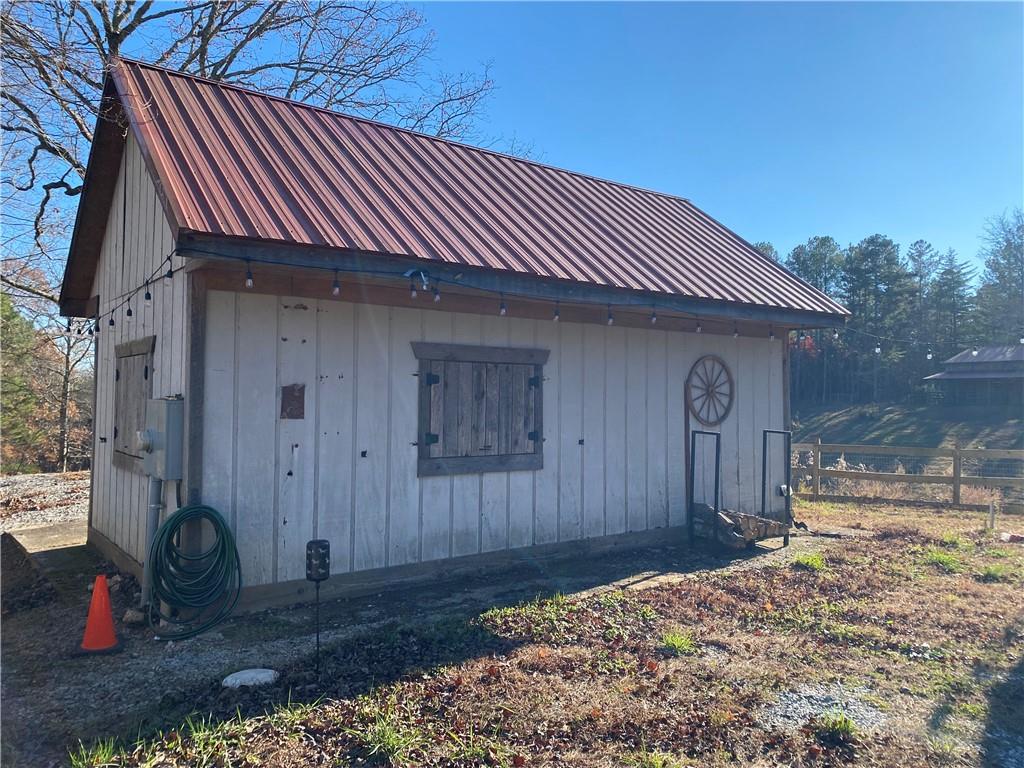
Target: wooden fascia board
column 513, row 285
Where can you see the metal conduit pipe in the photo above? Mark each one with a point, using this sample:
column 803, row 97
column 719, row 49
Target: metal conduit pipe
column 155, row 510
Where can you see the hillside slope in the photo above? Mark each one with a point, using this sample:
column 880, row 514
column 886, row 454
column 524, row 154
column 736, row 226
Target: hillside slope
column 911, row 425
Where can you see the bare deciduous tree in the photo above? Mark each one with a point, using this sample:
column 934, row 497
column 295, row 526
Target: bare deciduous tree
column 370, row 59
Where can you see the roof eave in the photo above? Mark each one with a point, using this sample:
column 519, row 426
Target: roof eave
column 283, row 254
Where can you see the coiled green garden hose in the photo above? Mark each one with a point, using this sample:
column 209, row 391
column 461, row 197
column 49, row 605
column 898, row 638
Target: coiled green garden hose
column 190, row 593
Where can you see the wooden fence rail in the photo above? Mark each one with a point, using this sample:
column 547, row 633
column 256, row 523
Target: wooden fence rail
column 957, row 479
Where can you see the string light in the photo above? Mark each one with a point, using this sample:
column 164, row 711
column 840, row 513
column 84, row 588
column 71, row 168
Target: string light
column 129, row 313
column 878, row 349
column 248, row 276
column 412, row 288
column 148, row 298
column 1021, row 339
column 611, row 318
column 654, row 316
column 110, row 322
column 771, row 333
column 169, row 274
column 699, row 328
column 502, row 309
column 437, row 294
column 835, row 334
column 735, row 331
column 336, row 286
column 974, row 351
column 558, row 313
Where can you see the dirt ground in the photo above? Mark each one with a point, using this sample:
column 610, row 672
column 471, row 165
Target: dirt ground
column 655, row 659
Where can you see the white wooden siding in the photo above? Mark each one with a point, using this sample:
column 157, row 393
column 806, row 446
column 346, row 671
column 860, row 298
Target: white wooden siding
column 136, row 244
column 347, row 472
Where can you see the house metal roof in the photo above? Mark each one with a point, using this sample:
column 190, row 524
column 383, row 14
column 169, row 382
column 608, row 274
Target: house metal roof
column 1002, row 353
column 231, row 162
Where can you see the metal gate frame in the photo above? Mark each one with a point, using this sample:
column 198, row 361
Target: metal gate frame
column 689, row 480
column 788, row 436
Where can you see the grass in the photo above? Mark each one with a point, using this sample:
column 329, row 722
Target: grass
column 811, row 561
column 944, row 561
column 653, row 759
column 616, row 677
column 835, row 727
column 679, row 643
column 101, row 753
column 991, row 574
column 385, row 732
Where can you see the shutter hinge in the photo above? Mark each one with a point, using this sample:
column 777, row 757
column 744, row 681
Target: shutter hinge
column 431, row 438
column 431, row 378
column 534, row 436
column 117, row 374
column 534, row 382
column 145, row 373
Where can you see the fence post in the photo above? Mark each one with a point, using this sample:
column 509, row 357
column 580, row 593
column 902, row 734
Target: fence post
column 816, row 468
column 957, row 471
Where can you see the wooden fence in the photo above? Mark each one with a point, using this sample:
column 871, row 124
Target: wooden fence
column 957, row 479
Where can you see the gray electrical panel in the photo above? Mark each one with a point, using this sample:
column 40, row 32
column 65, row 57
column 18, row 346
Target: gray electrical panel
column 162, row 439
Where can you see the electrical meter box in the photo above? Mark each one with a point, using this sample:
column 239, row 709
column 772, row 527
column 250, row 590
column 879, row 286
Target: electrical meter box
column 162, row 439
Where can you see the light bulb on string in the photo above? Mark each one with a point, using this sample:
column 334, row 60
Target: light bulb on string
column 771, row 333
column 735, row 331
column 929, row 355
column 169, row 273
column 110, row 322
column 502, row 308
column 437, row 294
column 558, row 313
column 611, row 318
column 835, row 335
column 878, row 349
column 654, row 316
column 974, row 351
column 699, row 328
column 335, row 286
column 147, row 297
column 412, row 288
column 248, row 277
column 128, row 313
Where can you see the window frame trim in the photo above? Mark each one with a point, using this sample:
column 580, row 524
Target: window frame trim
column 435, row 466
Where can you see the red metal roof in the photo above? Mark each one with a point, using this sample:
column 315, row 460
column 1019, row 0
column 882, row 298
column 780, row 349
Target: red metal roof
column 233, row 162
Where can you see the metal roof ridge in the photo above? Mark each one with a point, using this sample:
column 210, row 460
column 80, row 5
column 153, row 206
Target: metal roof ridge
column 389, row 126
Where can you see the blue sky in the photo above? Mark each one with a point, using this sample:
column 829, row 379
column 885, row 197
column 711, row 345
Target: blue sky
column 781, row 120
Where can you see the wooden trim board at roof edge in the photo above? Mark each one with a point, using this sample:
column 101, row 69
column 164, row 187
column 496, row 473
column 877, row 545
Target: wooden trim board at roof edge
column 473, row 353
column 514, row 285
column 316, row 285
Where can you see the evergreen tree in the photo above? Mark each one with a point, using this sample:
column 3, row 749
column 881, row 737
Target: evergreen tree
column 1000, row 297
column 819, row 261
column 767, row 249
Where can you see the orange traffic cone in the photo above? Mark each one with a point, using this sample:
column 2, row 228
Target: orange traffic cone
column 99, row 627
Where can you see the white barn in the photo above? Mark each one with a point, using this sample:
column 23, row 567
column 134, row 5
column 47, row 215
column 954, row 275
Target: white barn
column 434, row 356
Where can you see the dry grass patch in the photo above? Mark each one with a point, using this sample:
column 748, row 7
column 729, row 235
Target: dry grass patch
column 675, row 674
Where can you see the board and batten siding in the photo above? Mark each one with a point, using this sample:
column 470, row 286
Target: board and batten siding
column 138, row 239
column 613, row 426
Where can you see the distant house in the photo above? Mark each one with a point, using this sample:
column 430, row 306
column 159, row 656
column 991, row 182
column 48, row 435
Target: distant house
column 983, row 375
column 432, row 355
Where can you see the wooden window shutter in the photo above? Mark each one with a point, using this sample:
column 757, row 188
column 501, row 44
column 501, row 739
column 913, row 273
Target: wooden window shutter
column 479, row 408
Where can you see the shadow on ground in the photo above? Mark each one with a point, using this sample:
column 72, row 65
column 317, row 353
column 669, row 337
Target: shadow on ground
column 53, row 698
column 1003, row 742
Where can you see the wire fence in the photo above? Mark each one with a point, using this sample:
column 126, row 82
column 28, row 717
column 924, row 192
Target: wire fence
column 964, row 476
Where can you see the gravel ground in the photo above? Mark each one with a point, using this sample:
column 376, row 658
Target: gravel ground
column 794, row 708
column 30, row 501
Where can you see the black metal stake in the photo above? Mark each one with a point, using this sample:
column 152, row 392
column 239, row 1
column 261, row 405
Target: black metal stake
column 318, row 632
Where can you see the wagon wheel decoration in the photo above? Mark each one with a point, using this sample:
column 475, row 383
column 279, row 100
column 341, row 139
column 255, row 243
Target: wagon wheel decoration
column 709, row 390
